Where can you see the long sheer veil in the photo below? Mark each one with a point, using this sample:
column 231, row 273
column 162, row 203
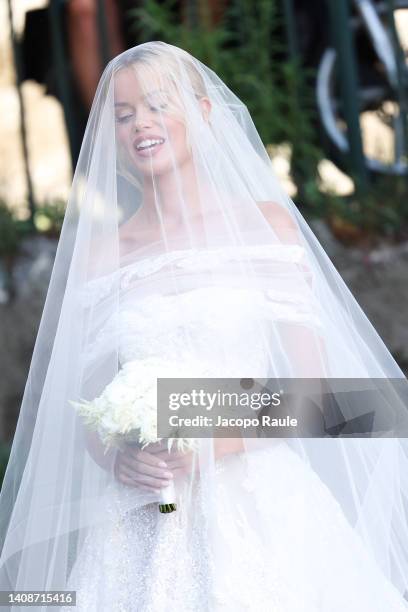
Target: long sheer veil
column 203, row 207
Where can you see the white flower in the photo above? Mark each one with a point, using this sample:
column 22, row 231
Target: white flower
column 126, row 410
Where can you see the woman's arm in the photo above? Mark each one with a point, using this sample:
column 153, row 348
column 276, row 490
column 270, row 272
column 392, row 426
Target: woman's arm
column 95, row 448
column 304, row 344
column 226, row 446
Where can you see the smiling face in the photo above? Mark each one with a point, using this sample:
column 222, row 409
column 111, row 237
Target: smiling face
column 146, row 111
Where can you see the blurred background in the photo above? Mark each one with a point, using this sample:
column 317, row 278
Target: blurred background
column 326, row 84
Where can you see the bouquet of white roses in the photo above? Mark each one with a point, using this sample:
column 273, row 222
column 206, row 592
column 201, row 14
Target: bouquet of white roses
column 126, row 412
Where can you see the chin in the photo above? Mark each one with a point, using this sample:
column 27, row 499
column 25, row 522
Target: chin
column 162, row 166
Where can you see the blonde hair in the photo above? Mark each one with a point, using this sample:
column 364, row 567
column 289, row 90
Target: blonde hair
column 176, row 70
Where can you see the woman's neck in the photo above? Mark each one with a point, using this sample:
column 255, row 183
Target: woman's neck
column 172, row 198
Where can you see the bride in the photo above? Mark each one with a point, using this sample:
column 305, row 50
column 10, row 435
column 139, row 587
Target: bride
column 180, row 253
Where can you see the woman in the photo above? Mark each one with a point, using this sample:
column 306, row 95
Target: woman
column 180, row 250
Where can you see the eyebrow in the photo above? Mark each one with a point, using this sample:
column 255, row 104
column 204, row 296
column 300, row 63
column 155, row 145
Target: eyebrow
column 144, row 96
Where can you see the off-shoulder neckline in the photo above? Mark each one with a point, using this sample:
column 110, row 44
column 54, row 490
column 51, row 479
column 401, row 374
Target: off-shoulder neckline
column 204, row 250
column 149, row 264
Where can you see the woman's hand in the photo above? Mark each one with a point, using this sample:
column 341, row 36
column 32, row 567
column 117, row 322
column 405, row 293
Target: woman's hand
column 184, row 463
column 180, row 463
column 135, row 467
column 154, row 467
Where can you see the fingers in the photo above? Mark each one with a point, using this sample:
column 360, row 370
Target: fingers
column 167, row 456
column 127, row 477
column 145, row 457
column 180, row 459
column 154, row 470
column 144, row 469
column 147, row 464
column 161, row 448
column 131, row 471
column 157, row 447
column 131, row 478
column 186, row 464
column 172, row 464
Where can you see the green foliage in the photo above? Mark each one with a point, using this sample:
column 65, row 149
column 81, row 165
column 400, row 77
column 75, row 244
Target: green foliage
column 255, row 68
column 300, row 110
column 246, row 49
column 159, row 21
column 383, row 208
column 246, row 52
column 49, row 217
column 9, row 234
column 378, row 213
column 48, row 220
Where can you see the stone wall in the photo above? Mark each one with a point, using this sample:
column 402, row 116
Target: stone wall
column 20, row 315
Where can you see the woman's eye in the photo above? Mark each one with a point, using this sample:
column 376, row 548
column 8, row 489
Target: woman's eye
column 124, row 118
column 160, row 107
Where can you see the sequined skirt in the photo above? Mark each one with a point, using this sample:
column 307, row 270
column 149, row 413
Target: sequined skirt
column 277, row 542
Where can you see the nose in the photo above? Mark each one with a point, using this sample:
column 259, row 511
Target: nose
column 142, row 120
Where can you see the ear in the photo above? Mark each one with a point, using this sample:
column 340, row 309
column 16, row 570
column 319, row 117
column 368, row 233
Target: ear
column 205, row 107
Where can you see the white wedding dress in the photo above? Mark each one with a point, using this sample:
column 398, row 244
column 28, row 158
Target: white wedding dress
column 280, row 541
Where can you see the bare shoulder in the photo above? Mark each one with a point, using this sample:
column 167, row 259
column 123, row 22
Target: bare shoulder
column 277, row 215
column 103, row 248
column 125, row 229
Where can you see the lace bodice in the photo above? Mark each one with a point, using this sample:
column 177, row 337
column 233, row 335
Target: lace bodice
column 211, row 323
column 226, row 328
